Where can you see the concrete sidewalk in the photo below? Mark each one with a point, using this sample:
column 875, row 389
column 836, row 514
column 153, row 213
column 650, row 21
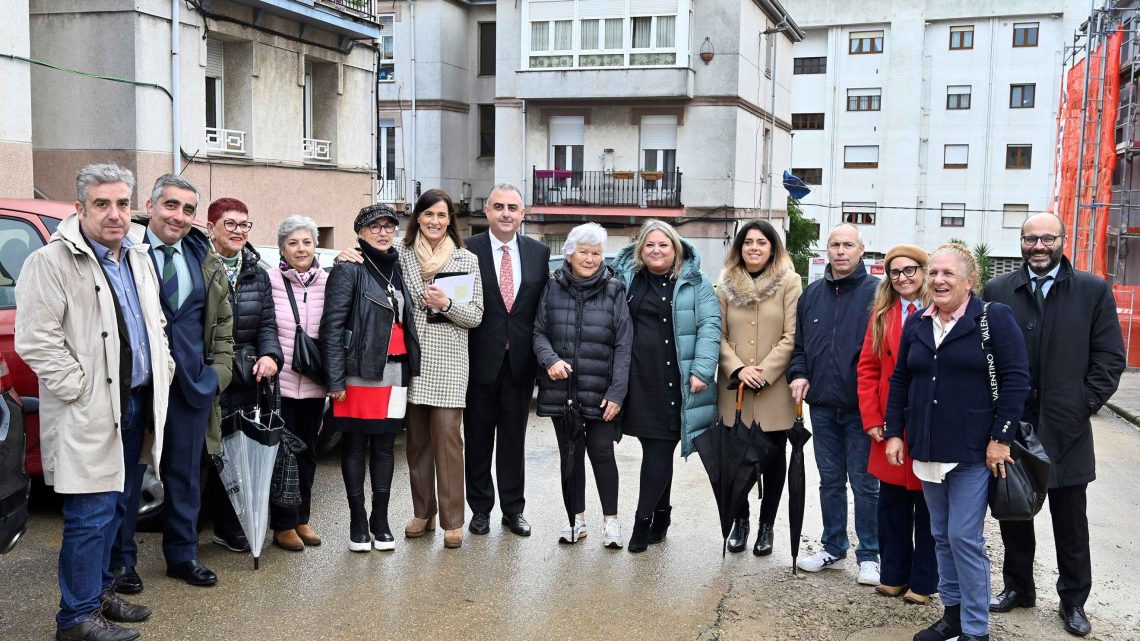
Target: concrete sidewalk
column 1126, row 401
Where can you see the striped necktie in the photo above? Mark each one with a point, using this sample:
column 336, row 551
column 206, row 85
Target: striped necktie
column 170, row 278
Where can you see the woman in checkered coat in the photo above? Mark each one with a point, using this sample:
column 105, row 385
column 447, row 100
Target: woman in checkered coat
column 432, row 247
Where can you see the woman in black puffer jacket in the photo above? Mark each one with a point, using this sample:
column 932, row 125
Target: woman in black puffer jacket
column 583, row 330
column 255, row 325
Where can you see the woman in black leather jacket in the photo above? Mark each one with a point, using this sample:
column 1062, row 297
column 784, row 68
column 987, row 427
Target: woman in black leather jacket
column 371, row 351
column 255, row 334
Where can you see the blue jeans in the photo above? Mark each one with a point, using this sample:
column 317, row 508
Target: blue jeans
column 124, row 551
column 957, row 514
column 841, row 453
column 90, row 525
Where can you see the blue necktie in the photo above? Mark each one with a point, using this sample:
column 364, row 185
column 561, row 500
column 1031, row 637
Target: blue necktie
column 170, row 278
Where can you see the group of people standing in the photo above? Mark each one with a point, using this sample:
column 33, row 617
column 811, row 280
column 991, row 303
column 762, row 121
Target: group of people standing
column 137, row 332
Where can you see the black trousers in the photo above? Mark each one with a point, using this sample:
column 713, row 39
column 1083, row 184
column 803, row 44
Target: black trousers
column 772, row 479
column 1068, row 507
column 502, row 407
column 656, row 475
column 599, row 442
column 302, row 418
column 374, row 453
column 906, row 547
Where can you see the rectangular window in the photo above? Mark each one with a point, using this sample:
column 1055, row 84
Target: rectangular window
column 1022, row 96
column 809, row 65
column 666, row 31
column 589, row 34
column 810, row 175
column 387, row 45
column 956, row 156
column 807, row 121
column 562, row 32
column 864, row 99
column 953, row 214
column 958, row 96
column 1012, row 216
column 861, row 157
column 1025, row 34
column 1018, row 156
column 486, row 131
column 865, row 42
column 486, row 48
column 859, row 213
column 613, row 33
column 540, row 36
column 962, row 37
column 642, row 30
column 215, row 65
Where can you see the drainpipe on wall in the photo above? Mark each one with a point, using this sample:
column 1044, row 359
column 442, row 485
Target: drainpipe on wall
column 175, row 80
column 773, row 33
column 415, row 181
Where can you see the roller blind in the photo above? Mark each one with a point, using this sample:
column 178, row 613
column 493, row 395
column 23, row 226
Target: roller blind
column 868, row 153
column 600, row 9
column 557, row 10
column 659, row 132
column 957, row 154
column 874, row 91
column 958, row 89
column 215, row 59
column 567, row 130
column 652, row 7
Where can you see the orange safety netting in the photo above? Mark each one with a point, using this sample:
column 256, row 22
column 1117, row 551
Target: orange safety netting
column 1077, row 121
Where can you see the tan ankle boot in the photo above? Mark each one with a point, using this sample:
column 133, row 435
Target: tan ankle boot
column 417, row 526
column 308, row 535
column 453, row 538
column 288, row 540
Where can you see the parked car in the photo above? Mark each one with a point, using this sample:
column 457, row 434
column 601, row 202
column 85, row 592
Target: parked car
column 15, row 484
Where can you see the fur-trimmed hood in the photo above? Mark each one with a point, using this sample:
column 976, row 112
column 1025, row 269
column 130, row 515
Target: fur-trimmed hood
column 745, row 291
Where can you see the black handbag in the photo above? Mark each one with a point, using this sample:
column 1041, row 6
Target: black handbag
column 1021, row 494
column 244, row 359
column 306, row 352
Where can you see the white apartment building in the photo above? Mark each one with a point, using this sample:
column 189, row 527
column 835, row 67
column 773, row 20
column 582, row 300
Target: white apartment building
column 925, row 121
column 601, row 110
column 275, row 101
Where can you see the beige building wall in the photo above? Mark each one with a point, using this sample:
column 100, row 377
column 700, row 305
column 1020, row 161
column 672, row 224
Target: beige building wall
column 15, row 105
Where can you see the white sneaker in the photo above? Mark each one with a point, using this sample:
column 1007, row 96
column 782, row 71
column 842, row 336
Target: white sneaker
column 573, row 534
column 868, row 573
column 823, row 560
column 611, row 534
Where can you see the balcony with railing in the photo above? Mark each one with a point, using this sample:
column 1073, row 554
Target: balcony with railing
column 620, row 191
column 230, row 142
column 391, row 188
column 360, row 8
column 316, row 150
column 350, row 19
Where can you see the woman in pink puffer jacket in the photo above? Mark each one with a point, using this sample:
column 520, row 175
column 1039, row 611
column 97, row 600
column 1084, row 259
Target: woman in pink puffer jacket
column 302, row 399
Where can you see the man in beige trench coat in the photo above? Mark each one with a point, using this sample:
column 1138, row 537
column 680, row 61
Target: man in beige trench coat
column 90, row 325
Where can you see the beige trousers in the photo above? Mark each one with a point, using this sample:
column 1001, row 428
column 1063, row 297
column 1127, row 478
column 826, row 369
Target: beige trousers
column 435, row 457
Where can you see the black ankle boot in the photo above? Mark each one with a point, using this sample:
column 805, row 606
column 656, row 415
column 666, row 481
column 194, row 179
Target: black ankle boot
column 660, row 525
column 378, row 525
column 948, row 627
column 639, row 540
column 763, row 545
column 359, row 539
column 738, row 539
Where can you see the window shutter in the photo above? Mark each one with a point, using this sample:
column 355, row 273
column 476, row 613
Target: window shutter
column 567, row 130
column 658, row 132
column 215, row 59
column 876, row 91
column 861, row 154
column 652, row 7
column 957, row 154
column 599, row 9
column 556, row 10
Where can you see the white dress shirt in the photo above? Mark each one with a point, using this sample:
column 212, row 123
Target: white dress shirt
column 516, row 260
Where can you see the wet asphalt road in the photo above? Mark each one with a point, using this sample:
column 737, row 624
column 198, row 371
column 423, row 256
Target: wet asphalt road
column 501, row 586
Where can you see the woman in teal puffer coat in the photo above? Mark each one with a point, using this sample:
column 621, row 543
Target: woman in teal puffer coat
column 676, row 343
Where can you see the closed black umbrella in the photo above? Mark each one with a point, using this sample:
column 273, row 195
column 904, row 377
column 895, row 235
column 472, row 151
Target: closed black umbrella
column 798, row 436
column 729, row 458
column 572, row 427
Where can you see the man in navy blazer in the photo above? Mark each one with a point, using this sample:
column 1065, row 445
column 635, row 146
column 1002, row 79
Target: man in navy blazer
column 199, row 327
column 514, row 270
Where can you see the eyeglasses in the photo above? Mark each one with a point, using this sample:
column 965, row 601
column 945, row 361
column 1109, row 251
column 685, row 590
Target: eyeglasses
column 233, row 225
column 1047, row 241
column 908, row 271
column 376, row 228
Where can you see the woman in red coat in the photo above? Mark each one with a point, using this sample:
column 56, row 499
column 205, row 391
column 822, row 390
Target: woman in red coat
column 908, row 566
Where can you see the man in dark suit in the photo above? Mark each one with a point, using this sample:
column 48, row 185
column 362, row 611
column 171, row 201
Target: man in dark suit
column 514, row 270
column 1076, row 356
column 199, row 325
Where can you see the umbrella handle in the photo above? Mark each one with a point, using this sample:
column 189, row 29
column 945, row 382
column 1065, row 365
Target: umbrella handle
column 739, row 399
column 800, row 409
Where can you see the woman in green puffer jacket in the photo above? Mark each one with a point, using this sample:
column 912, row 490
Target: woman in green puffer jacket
column 676, row 343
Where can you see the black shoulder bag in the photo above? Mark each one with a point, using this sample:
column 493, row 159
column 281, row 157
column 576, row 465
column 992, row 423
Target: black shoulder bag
column 306, row 352
column 1020, row 495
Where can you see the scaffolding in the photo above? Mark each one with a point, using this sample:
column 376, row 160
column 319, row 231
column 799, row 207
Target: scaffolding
column 1123, row 237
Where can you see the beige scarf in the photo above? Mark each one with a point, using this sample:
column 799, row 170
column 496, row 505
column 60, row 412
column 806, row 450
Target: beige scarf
column 432, row 261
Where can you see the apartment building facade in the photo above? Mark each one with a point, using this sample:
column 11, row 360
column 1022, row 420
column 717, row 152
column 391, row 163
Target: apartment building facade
column 606, row 111
column 926, row 121
column 275, row 101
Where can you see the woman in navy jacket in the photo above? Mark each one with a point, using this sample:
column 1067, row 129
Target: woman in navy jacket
column 940, row 399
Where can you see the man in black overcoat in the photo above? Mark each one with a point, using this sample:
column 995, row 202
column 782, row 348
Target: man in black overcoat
column 514, row 270
column 1076, row 356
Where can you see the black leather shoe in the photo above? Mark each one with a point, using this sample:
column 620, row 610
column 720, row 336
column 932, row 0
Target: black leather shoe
column 117, row 609
column 1075, row 620
column 517, row 524
column 763, row 545
column 738, row 538
column 480, row 523
column 127, row 581
column 96, row 628
column 232, row 541
column 192, row 572
column 1007, row 600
